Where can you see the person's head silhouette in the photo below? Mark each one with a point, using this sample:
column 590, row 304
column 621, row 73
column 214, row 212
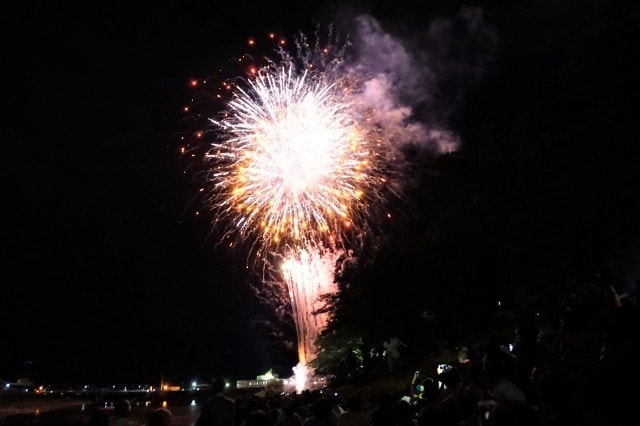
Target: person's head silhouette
column 219, row 385
column 122, row 408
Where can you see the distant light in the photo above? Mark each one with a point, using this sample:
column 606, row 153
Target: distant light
column 164, row 404
column 194, row 384
column 193, row 402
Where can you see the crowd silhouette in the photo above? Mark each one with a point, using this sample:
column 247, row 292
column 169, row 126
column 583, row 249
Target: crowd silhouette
column 578, row 365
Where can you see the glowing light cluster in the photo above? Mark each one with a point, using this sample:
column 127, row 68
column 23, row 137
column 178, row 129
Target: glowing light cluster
column 309, row 274
column 297, row 161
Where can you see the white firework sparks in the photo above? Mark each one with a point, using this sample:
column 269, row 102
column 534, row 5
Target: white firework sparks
column 299, row 163
column 300, row 160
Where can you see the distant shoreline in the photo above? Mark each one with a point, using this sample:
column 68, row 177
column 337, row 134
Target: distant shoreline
column 16, row 405
column 48, row 410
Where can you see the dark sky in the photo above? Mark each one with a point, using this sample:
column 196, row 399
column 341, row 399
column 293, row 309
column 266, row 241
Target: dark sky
column 107, row 276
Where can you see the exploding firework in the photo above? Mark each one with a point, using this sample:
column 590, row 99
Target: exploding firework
column 297, row 159
column 301, row 162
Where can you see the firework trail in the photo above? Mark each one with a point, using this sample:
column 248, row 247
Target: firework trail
column 304, row 163
column 309, row 275
column 299, row 166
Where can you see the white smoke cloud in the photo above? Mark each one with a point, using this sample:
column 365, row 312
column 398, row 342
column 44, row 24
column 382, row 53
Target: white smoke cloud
column 404, row 84
column 387, row 55
column 395, row 87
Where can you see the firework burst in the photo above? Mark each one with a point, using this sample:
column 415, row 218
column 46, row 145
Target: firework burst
column 299, row 167
column 297, row 159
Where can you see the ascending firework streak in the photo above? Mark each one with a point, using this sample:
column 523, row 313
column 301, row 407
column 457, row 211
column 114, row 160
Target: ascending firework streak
column 309, row 274
column 298, row 162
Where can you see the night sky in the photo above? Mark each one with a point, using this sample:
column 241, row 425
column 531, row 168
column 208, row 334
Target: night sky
column 108, row 276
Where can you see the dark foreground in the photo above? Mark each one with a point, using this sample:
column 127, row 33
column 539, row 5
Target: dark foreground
column 74, row 412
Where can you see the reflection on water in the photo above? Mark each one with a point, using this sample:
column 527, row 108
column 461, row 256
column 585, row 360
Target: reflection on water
column 70, row 412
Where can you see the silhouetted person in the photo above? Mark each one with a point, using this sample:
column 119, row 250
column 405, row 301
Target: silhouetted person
column 321, row 413
column 529, row 353
column 258, row 417
column 354, row 415
column 510, row 413
column 383, row 415
column 121, row 413
column 159, row 417
column 99, row 417
column 403, row 414
column 219, row 410
column 392, row 352
column 561, row 406
column 449, row 398
column 290, row 416
column 500, row 374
